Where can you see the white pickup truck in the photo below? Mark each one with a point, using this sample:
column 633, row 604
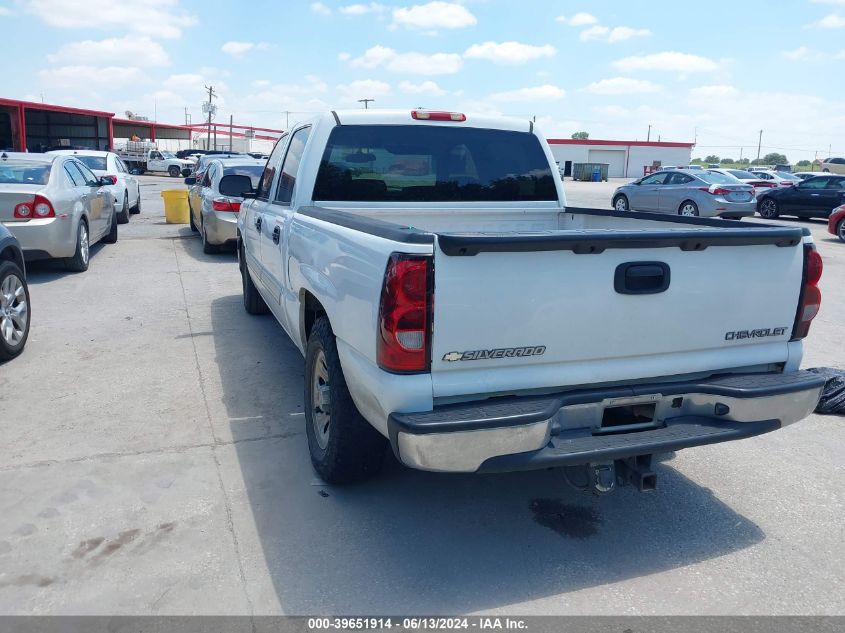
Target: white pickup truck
column 142, row 156
column 447, row 302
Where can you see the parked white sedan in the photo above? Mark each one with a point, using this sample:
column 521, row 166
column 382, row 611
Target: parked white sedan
column 125, row 187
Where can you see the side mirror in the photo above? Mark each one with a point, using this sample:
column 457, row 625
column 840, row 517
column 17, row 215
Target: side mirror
column 190, row 180
column 105, row 181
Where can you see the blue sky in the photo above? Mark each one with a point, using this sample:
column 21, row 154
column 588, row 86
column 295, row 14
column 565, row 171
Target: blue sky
column 715, row 72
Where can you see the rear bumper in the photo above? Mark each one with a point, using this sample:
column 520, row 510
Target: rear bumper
column 725, row 209
column 45, row 237
column 221, row 227
column 530, row 432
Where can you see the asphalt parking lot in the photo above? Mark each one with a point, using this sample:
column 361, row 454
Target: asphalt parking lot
column 154, row 461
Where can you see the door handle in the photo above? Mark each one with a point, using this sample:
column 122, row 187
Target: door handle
column 815, row 194
column 641, row 278
column 258, row 224
column 277, row 232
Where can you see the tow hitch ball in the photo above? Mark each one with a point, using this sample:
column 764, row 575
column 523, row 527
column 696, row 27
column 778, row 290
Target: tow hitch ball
column 602, row 477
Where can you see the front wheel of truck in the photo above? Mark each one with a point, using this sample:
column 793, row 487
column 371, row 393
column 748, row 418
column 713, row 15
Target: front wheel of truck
column 344, row 447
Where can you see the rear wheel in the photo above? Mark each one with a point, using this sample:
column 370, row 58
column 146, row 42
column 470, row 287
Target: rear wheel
column 79, row 262
column 174, row 171
column 688, row 208
column 840, row 230
column 137, row 208
column 207, row 247
column 14, row 310
column 111, row 236
column 769, row 209
column 191, row 218
column 344, row 447
column 123, row 218
column 826, row 170
column 620, row 203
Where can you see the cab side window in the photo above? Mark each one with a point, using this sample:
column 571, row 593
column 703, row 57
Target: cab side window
column 284, row 193
column 270, row 168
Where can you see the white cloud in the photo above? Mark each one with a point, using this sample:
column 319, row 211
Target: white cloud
column 622, row 33
column 320, row 9
column 155, row 18
column 831, row 21
column 596, row 32
column 712, row 92
column 509, row 52
column 364, row 89
column 87, row 76
column 425, row 88
column 408, row 63
column 669, row 61
column 5, row 11
column 622, row 86
column 802, row 53
column 362, row 9
column 344, row 57
column 579, row 19
column 132, row 50
column 546, row 92
column 239, row 49
column 434, row 15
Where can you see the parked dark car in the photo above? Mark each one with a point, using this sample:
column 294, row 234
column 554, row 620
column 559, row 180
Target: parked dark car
column 812, row 198
column 14, row 297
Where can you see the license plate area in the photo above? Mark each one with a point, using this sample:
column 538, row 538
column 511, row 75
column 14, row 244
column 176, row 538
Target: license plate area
column 627, row 415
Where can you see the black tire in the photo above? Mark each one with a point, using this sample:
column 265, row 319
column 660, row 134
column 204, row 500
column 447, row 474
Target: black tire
column 207, row 247
column 191, row 218
column 123, row 218
column 253, row 301
column 768, row 208
column 688, row 208
column 9, row 349
column 79, row 262
column 137, row 208
column 826, row 170
column 174, row 171
column 353, row 449
column 621, row 204
column 111, row 236
column 840, row 230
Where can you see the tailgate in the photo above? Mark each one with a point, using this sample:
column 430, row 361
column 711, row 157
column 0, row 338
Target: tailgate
column 515, row 312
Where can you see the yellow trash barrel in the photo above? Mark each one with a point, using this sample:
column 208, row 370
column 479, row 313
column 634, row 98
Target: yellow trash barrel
column 176, row 208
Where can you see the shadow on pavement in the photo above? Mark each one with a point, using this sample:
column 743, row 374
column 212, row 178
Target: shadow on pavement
column 43, row 271
column 424, row 543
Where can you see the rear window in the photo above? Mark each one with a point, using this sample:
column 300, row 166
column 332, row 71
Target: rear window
column 93, row 162
column 253, row 171
column 743, row 175
column 23, row 172
column 717, row 179
column 423, row 163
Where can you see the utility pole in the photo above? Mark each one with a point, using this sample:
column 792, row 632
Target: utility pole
column 187, row 116
column 740, row 155
column 759, row 144
column 211, row 95
column 287, row 119
column 366, row 103
column 230, row 132
column 648, row 137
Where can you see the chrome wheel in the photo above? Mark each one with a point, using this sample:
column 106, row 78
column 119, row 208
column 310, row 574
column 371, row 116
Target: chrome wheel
column 14, row 312
column 321, row 401
column 621, row 204
column 840, row 230
column 83, row 242
column 688, row 209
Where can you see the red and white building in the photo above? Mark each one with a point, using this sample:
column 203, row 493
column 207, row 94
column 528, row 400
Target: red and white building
column 627, row 159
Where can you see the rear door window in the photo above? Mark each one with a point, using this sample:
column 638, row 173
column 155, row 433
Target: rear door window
column 87, row 174
column 76, row 177
column 426, row 163
column 284, row 192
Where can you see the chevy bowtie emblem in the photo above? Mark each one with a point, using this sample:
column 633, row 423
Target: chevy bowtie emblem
column 503, row 352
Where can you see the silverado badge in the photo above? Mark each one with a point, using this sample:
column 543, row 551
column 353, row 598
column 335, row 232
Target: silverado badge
column 486, row 354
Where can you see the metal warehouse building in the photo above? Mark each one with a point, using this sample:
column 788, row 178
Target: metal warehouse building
column 627, row 159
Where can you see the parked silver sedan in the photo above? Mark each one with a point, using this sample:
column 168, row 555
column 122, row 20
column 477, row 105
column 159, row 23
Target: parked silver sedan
column 689, row 193
column 55, row 206
column 216, row 199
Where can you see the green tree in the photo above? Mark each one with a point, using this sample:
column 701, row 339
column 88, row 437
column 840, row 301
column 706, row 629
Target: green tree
column 775, row 159
column 743, row 161
column 581, row 136
column 711, row 159
column 803, row 163
column 696, row 161
column 727, row 161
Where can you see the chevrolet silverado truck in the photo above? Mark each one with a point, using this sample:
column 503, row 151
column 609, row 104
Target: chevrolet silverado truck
column 449, row 304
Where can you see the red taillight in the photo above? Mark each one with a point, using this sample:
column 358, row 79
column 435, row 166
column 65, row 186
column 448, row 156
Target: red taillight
column 811, row 296
column 716, row 191
column 404, row 319
column 225, row 204
column 786, row 183
column 428, row 115
column 761, row 183
column 23, row 211
column 113, row 179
